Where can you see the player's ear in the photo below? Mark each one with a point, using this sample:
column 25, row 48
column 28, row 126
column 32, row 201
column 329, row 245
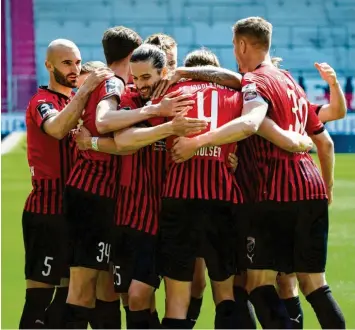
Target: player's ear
column 164, row 72
column 49, row 66
column 243, row 45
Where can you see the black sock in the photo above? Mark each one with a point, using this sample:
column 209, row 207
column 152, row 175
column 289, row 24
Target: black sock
column 36, row 302
column 194, row 310
column 168, row 323
column 54, row 317
column 269, row 309
column 326, row 308
column 226, row 315
column 140, row 319
column 128, row 320
column 77, row 317
column 154, row 321
column 106, row 315
column 295, row 312
column 244, row 308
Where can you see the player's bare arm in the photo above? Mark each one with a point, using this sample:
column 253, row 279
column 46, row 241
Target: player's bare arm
column 288, row 140
column 59, row 124
column 336, row 109
column 209, row 73
column 139, row 137
column 108, row 119
column 238, row 129
column 325, row 150
column 85, row 141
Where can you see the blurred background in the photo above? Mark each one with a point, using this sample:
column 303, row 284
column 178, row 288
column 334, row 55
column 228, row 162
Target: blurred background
column 305, row 31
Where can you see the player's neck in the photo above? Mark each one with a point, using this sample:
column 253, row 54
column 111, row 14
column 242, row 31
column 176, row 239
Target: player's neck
column 255, row 61
column 55, row 87
column 121, row 69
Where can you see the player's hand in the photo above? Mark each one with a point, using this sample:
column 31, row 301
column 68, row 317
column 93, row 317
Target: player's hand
column 233, row 161
column 184, row 126
column 96, row 78
column 330, row 194
column 183, row 149
column 164, row 85
column 306, row 143
column 83, row 138
column 327, row 73
column 174, row 103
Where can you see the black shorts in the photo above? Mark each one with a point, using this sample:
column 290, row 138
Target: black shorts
column 243, row 214
column 134, row 258
column 289, row 237
column 90, row 221
column 196, row 228
column 46, row 247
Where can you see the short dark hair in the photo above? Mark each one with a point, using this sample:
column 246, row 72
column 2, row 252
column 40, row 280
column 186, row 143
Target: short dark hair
column 256, row 28
column 151, row 53
column 118, row 42
column 201, row 57
column 91, row 66
column 161, row 40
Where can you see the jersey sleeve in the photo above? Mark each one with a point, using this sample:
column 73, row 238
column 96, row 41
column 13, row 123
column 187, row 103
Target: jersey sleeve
column 313, row 126
column 110, row 87
column 315, row 108
column 41, row 111
column 254, row 88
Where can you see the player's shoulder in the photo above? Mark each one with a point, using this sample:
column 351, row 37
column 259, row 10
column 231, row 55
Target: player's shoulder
column 109, row 85
column 42, row 98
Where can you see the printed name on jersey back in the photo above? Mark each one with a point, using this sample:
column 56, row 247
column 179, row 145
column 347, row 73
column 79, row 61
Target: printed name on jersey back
column 113, row 86
column 46, row 109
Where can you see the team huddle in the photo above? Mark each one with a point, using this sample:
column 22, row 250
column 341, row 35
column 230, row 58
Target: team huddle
column 152, row 172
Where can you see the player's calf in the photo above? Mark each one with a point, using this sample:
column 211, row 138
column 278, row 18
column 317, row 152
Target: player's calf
column 318, row 294
column 197, row 289
column 269, row 309
column 287, row 289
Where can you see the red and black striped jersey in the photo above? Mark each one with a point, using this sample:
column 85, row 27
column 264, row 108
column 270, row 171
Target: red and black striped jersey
column 142, row 178
column 207, row 174
column 49, row 159
column 96, row 172
column 280, row 175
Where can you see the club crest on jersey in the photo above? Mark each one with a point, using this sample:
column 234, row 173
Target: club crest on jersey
column 112, row 85
column 249, row 92
column 45, row 109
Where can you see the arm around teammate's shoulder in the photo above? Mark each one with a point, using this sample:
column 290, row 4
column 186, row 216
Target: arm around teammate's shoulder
column 60, row 123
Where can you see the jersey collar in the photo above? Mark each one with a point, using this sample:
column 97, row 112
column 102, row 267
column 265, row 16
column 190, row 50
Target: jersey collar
column 54, row 92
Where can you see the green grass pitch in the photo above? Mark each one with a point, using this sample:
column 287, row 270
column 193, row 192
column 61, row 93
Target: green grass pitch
column 341, row 256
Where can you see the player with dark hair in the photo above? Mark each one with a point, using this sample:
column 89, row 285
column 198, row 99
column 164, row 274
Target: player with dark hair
column 168, row 45
column 292, row 208
column 201, row 57
column 52, row 112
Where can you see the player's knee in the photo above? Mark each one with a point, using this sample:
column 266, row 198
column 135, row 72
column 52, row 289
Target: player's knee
column 240, row 280
column 139, row 297
column 223, row 290
column 287, row 286
column 82, row 288
column 310, row 282
column 30, row 284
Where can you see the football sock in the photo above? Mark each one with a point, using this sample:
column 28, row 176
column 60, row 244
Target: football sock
column 194, row 310
column 128, row 320
column 168, row 323
column 154, row 321
column 140, row 319
column 269, row 309
column 36, row 302
column 226, row 315
column 295, row 312
column 326, row 308
column 54, row 316
column 77, row 317
column 244, row 309
column 106, row 315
